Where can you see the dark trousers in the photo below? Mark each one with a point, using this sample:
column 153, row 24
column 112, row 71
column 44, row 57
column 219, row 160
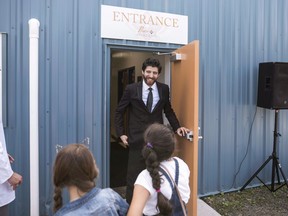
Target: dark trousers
column 136, row 164
column 4, row 210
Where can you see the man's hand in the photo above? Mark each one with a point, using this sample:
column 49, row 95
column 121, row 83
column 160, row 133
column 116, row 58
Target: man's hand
column 15, row 180
column 182, row 131
column 124, row 140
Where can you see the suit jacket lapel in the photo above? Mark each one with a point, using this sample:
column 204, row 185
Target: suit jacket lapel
column 139, row 93
column 159, row 86
column 139, row 90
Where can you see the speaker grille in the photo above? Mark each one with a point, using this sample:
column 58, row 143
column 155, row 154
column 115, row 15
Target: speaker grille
column 273, row 85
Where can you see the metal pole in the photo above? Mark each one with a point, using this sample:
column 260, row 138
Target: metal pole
column 33, row 113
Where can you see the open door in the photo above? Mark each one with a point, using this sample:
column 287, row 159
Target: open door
column 184, row 98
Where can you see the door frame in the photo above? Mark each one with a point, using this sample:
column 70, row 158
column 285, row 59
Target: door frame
column 106, row 111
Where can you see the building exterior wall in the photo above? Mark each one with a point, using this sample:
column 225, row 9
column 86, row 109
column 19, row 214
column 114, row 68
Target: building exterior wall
column 235, row 36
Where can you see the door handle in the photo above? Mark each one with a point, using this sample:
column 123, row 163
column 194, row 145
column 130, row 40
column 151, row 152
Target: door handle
column 189, row 135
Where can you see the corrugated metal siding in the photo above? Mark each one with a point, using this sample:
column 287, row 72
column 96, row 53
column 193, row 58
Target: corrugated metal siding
column 74, row 89
column 235, row 36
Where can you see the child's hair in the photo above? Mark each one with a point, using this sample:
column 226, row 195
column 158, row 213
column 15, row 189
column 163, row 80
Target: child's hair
column 160, row 144
column 74, row 166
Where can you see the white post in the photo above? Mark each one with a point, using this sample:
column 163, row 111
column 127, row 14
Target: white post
column 33, row 113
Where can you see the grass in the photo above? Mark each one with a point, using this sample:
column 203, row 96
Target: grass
column 254, row 201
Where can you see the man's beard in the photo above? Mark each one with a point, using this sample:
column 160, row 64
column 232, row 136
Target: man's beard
column 149, row 81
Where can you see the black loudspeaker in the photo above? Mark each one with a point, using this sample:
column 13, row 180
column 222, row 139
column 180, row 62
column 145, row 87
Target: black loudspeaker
column 273, row 85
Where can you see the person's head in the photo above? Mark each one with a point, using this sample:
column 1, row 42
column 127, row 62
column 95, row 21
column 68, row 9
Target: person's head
column 151, row 69
column 74, row 166
column 162, row 139
column 159, row 145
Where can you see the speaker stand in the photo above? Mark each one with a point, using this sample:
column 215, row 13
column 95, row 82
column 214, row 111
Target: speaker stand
column 276, row 166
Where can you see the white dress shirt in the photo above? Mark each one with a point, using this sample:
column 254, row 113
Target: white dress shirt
column 7, row 194
column 145, row 92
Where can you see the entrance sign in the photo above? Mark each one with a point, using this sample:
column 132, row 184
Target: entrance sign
column 143, row 25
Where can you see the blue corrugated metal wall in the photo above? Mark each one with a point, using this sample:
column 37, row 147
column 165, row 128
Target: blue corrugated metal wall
column 235, row 36
column 74, row 86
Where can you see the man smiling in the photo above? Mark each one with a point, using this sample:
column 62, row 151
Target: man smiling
column 145, row 101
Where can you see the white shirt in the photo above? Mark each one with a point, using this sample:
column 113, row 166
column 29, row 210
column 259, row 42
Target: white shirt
column 144, row 179
column 7, row 194
column 145, row 92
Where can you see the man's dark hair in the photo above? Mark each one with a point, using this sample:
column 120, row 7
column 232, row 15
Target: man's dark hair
column 153, row 63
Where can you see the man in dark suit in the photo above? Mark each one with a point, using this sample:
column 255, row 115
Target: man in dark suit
column 145, row 101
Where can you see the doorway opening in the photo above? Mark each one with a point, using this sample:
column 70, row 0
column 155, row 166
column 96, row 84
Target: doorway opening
column 126, row 69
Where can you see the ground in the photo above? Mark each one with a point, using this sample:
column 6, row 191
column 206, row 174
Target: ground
column 254, row 201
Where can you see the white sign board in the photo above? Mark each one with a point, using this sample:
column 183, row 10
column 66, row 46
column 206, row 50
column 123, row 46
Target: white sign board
column 142, row 25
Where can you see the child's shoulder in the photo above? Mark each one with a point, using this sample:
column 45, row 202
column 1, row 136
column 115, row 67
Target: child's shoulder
column 180, row 161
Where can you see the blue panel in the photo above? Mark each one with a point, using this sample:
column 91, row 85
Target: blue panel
column 235, row 36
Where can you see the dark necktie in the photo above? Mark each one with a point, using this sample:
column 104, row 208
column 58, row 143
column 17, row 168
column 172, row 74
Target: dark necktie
column 150, row 100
